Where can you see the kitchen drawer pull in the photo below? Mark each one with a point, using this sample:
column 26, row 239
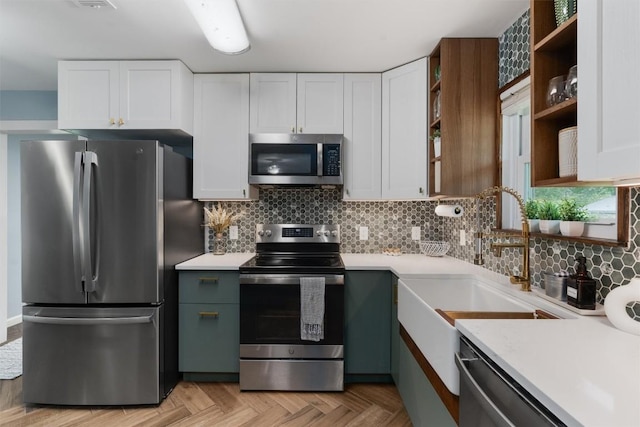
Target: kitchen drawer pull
column 213, row 314
column 208, row 279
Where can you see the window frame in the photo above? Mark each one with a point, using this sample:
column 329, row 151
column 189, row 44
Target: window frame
column 511, row 98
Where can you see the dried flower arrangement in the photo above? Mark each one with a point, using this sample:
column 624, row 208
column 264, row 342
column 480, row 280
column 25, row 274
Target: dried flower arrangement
column 218, row 219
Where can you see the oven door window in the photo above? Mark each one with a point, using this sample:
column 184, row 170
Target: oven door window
column 284, row 159
column 270, row 314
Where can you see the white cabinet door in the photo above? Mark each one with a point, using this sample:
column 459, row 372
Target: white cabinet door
column 125, row 95
column 609, row 91
column 296, row 103
column 404, row 131
column 155, row 95
column 320, row 103
column 273, row 103
column 88, row 94
column 221, row 137
column 362, row 145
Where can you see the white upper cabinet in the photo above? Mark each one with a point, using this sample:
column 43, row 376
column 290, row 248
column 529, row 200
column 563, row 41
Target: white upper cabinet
column 609, row 91
column 296, row 103
column 320, row 103
column 273, row 103
column 362, row 146
column 122, row 95
column 404, row 131
column 220, row 140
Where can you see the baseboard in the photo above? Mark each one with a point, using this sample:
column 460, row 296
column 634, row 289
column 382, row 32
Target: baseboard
column 15, row 320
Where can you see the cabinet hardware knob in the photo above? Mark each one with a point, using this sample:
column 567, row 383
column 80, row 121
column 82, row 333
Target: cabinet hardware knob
column 208, row 279
column 293, row 129
column 421, row 190
column 347, row 191
column 213, row 314
column 244, row 193
column 112, row 121
column 120, row 122
column 300, row 129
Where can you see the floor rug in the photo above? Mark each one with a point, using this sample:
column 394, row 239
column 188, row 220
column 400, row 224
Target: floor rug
column 11, row 360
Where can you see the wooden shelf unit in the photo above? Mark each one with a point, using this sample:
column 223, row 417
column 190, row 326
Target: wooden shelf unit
column 468, row 87
column 553, row 52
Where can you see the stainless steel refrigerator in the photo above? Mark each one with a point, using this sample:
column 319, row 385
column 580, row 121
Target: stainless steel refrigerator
column 103, row 225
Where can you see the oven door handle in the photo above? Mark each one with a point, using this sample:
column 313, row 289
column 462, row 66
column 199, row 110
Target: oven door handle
column 286, row 279
column 479, row 395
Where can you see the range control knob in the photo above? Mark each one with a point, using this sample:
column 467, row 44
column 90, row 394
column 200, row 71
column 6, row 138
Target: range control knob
column 267, row 233
column 318, row 233
column 260, row 232
column 334, row 233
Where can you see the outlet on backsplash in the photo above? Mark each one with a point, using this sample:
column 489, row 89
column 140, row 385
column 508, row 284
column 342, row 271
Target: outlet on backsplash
column 364, row 233
column 415, row 233
column 233, row 232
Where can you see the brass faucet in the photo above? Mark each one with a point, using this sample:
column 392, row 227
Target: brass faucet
column 524, row 280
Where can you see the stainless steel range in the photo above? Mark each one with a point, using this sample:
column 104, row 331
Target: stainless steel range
column 281, row 346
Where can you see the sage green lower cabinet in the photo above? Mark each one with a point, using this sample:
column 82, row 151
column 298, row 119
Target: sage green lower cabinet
column 209, row 322
column 367, row 325
column 395, row 332
column 418, row 396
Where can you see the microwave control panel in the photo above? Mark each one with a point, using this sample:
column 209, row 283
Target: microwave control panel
column 331, row 159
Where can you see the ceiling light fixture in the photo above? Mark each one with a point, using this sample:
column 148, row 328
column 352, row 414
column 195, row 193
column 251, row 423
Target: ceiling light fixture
column 221, row 23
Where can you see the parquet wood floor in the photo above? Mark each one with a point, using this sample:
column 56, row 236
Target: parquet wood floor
column 221, row 404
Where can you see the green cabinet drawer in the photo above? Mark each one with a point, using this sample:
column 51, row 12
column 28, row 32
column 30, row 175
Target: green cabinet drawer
column 209, row 337
column 209, row 286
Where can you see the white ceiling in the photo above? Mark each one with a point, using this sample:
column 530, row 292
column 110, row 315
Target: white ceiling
column 286, row 35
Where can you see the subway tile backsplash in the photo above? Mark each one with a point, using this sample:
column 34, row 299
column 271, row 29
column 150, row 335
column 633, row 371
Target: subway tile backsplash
column 390, row 223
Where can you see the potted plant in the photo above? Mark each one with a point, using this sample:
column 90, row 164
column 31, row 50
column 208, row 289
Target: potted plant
column 435, row 137
column 549, row 217
column 531, row 210
column 572, row 217
column 219, row 219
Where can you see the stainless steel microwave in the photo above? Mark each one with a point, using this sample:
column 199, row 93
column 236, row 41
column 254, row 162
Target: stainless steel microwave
column 295, row 159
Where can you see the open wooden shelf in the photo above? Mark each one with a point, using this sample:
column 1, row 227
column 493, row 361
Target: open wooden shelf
column 554, row 51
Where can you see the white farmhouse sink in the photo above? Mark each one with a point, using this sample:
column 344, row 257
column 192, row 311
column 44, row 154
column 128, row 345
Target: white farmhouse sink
column 437, row 339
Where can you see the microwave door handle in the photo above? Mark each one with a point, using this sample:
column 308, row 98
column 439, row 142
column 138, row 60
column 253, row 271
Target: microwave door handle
column 320, row 162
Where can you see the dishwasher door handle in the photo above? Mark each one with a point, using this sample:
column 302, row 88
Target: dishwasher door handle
column 480, row 396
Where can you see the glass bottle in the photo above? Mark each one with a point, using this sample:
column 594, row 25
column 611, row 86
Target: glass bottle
column 581, row 288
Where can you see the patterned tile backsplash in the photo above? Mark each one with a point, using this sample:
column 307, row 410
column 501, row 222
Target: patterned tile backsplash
column 390, row 223
column 513, row 50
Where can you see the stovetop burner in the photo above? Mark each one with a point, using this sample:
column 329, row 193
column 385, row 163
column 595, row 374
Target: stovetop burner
column 296, row 248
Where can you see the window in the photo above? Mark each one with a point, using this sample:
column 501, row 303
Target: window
column 600, row 202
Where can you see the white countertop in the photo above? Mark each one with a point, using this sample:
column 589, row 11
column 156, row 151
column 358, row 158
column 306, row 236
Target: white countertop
column 582, row 368
column 230, row 261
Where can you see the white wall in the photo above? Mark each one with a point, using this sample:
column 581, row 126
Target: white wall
column 3, row 237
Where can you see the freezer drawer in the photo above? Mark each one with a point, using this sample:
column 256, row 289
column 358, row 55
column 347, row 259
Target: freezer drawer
column 91, row 356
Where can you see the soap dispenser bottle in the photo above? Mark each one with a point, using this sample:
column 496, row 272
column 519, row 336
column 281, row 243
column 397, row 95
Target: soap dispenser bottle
column 581, row 289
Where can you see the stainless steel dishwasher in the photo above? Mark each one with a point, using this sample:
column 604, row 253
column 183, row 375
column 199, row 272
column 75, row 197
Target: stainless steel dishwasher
column 490, row 397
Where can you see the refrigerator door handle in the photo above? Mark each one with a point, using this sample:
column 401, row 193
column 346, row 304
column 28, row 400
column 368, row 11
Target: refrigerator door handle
column 88, row 320
column 91, row 276
column 78, row 252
